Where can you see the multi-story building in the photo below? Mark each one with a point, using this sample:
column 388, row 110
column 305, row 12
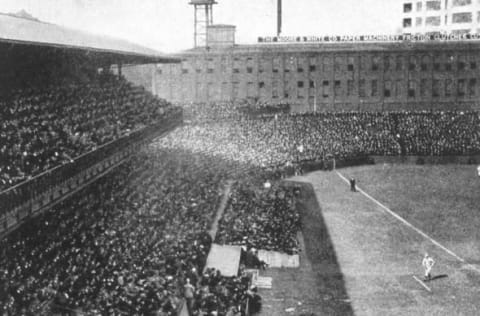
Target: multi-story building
column 441, row 16
column 330, row 77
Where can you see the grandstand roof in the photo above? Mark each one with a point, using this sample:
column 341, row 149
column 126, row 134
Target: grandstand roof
column 23, row 31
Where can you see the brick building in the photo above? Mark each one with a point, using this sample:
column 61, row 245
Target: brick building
column 327, row 77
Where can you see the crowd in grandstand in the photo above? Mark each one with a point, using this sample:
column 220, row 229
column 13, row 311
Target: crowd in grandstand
column 127, row 244
column 42, row 128
column 278, row 140
column 136, row 241
column 260, row 219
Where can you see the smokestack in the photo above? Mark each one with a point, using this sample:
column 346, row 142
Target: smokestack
column 279, row 17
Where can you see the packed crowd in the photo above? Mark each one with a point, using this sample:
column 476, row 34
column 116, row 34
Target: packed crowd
column 265, row 219
column 120, row 246
column 223, row 111
column 44, row 127
column 136, row 241
column 291, row 139
column 127, row 244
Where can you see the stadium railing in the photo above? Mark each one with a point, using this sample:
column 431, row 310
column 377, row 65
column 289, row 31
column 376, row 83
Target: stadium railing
column 14, row 199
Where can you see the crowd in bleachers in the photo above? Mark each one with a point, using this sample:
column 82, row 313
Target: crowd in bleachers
column 120, row 246
column 44, row 127
column 261, row 219
column 135, row 242
column 290, row 139
column 225, row 111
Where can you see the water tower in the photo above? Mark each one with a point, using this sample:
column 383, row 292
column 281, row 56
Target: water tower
column 203, row 10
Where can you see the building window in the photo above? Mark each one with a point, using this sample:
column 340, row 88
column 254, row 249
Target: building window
column 312, row 63
column 225, row 94
column 418, row 21
column 462, row 17
column 387, row 91
column 448, row 87
column 437, row 63
column 361, row 88
column 198, row 70
column 350, row 63
column 473, row 65
column 411, row 89
column 274, row 89
column 276, row 64
column 311, row 84
column 235, row 90
column 399, row 87
column 249, row 65
column 472, row 83
column 419, row 6
column 223, row 65
column 436, row 88
column 159, row 71
column 210, row 92
column 350, row 87
column 433, row 21
column 375, row 63
column 374, row 88
column 300, row 84
column 338, row 64
column 290, row 64
column 338, row 88
column 261, row 65
column 236, row 65
column 425, row 62
column 386, row 63
column 250, row 90
column 184, row 71
column 448, row 63
column 407, row 7
column 434, row 5
column 261, row 84
column 461, row 87
column 412, row 65
column 399, row 63
column 325, row 88
column 210, row 65
column 423, row 87
column 460, row 3
column 407, row 22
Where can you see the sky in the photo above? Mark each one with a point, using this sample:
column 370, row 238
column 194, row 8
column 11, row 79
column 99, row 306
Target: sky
column 167, row 25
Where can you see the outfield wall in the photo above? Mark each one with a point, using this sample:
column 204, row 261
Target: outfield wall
column 453, row 159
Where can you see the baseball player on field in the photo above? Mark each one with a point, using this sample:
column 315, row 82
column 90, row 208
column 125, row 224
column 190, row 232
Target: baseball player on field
column 428, row 264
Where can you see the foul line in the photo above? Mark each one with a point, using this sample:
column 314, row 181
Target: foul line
column 422, row 283
column 404, row 221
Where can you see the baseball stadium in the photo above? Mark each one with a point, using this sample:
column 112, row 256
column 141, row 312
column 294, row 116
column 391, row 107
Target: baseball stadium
column 294, row 176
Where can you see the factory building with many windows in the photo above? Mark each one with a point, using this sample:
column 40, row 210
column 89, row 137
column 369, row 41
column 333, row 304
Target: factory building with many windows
column 441, row 16
column 330, row 77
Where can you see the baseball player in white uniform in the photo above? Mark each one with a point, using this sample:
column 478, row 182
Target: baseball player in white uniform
column 428, row 264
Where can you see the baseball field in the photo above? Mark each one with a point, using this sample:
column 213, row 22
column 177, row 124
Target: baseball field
column 363, row 250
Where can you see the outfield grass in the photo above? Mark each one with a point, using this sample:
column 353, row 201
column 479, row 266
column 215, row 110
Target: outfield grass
column 443, row 201
column 378, row 255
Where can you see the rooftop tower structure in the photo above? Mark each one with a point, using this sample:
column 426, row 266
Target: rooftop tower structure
column 203, row 18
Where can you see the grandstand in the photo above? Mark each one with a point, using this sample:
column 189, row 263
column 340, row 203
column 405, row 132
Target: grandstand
column 116, row 201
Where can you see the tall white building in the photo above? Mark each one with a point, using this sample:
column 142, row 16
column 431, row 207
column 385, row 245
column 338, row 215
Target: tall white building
column 441, row 16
